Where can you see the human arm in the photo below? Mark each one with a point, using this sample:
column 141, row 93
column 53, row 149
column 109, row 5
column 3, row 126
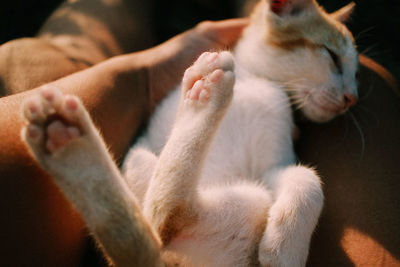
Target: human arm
column 118, row 94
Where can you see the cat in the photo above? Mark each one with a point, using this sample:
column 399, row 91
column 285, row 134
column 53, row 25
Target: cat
column 214, row 181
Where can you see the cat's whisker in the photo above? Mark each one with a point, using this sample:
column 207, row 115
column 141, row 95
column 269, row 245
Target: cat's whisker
column 300, row 103
column 369, row 113
column 197, row 180
column 300, row 100
column 294, row 97
column 331, row 95
column 369, row 49
column 294, row 100
column 368, row 93
column 294, row 86
column 306, row 98
column 297, row 79
column 297, row 102
column 280, row 105
column 331, row 98
column 377, row 52
column 363, row 33
column 296, row 90
column 295, row 82
column 358, row 127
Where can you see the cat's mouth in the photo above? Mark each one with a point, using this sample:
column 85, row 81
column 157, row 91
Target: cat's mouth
column 320, row 109
column 332, row 107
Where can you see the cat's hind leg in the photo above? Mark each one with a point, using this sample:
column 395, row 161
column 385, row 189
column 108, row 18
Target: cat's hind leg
column 207, row 88
column 65, row 142
column 298, row 201
column 138, row 170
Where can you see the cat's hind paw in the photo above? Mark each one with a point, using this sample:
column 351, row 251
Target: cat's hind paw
column 53, row 120
column 279, row 247
column 270, row 256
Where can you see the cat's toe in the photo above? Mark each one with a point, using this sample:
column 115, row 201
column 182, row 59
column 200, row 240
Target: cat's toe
column 51, row 98
column 190, row 77
column 53, row 120
column 220, row 83
column 210, row 79
column 72, row 109
column 198, row 92
column 66, row 126
column 209, row 61
column 225, row 61
column 33, row 133
column 32, row 110
column 37, row 108
column 53, row 101
column 33, row 136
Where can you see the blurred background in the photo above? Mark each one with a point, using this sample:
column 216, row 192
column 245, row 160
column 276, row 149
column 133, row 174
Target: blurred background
column 375, row 24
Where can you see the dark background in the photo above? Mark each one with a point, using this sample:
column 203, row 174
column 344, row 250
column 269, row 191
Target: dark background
column 375, row 24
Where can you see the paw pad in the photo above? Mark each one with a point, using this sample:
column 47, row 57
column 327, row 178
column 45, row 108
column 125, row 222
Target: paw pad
column 53, row 119
column 208, row 77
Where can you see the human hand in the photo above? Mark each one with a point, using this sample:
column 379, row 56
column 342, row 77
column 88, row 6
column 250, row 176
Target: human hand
column 167, row 62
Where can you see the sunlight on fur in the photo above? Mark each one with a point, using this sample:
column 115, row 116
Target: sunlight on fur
column 214, row 180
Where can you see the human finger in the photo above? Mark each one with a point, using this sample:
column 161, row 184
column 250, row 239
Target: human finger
column 223, row 33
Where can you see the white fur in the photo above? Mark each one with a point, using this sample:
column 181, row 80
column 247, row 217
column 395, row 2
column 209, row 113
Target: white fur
column 253, row 148
column 217, row 179
column 253, row 139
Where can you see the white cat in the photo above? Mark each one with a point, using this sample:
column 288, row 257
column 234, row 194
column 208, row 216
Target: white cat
column 215, row 175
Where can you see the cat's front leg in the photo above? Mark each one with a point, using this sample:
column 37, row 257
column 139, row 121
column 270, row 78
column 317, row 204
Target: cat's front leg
column 65, row 142
column 207, row 89
column 298, row 201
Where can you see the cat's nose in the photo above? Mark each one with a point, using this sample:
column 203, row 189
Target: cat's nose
column 349, row 100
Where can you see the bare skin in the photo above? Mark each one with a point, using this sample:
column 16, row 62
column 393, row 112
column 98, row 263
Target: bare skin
column 43, row 228
column 77, row 35
column 58, row 143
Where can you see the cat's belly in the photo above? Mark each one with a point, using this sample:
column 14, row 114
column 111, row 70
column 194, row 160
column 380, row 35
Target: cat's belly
column 231, row 222
column 254, row 136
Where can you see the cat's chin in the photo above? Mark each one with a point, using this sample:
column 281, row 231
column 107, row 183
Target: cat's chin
column 320, row 116
column 322, row 112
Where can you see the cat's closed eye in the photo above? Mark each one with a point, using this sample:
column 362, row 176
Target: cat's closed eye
column 336, row 60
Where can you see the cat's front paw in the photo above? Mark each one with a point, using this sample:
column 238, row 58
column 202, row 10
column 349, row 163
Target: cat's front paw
column 208, row 83
column 53, row 121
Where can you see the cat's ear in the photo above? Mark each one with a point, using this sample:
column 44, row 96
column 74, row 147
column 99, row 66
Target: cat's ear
column 344, row 13
column 288, row 7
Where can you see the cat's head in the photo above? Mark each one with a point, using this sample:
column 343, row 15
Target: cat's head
column 310, row 52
